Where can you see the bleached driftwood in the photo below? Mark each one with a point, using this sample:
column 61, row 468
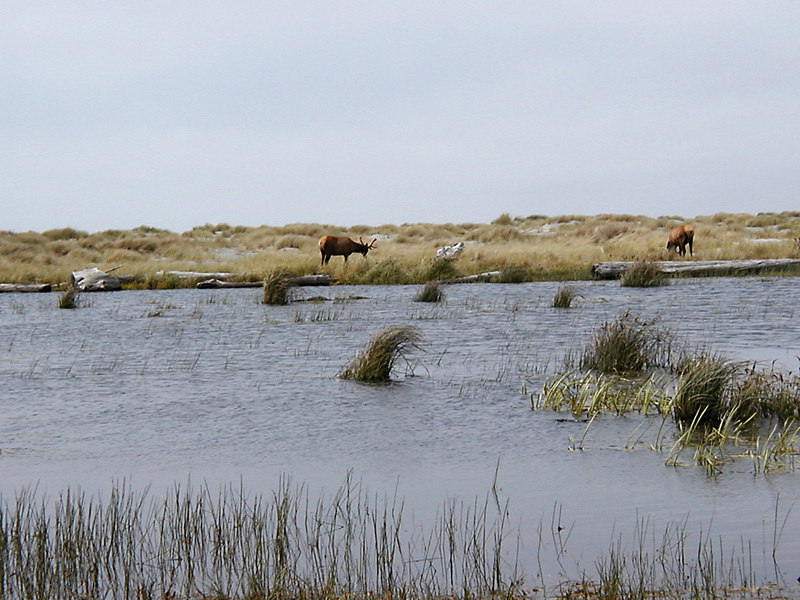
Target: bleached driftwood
column 615, row 269
column 479, row 277
column 306, row 280
column 95, row 280
column 450, row 252
column 25, row 287
column 197, row 275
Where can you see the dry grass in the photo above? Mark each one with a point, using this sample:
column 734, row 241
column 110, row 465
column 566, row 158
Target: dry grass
column 555, row 248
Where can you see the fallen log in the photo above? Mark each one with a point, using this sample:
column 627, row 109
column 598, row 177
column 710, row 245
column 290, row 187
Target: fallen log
column 25, row 287
column 197, row 275
column 95, row 280
column 616, row 269
column 478, row 278
column 305, row 280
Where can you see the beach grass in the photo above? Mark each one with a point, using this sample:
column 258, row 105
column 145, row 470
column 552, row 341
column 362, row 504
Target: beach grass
column 528, row 248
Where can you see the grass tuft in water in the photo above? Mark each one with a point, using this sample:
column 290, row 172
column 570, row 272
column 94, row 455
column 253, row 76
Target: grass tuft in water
column 69, row 299
column 564, row 296
column 644, row 274
column 430, row 292
column 375, row 364
column 630, row 344
column 703, row 390
column 277, row 288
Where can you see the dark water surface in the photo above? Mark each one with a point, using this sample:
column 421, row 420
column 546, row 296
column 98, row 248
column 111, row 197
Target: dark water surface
column 159, row 387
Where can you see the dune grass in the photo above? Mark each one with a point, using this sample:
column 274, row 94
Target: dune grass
column 375, row 363
column 529, row 248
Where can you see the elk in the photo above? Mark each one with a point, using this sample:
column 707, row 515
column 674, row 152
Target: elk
column 331, row 245
column 680, row 237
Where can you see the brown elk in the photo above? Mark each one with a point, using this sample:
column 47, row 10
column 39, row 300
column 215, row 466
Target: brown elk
column 680, row 237
column 331, row 245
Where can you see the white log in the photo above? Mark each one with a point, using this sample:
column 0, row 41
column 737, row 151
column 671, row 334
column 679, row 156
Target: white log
column 95, row 280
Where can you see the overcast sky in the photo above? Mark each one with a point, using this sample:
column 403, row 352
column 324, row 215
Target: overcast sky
column 176, row 114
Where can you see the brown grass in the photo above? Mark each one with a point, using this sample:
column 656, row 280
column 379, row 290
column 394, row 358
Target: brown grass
column 554, row 248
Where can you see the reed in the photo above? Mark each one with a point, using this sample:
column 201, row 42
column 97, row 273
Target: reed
column 376, row 362
column 564, row 296
column 233, row 545
column 629, row 344
column 644, row 274
column 277, row 288
column 430, row 292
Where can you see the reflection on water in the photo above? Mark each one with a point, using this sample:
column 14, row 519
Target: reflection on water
column 165, row 386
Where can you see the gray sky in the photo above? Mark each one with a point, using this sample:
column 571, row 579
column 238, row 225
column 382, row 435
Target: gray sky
column 176, row 114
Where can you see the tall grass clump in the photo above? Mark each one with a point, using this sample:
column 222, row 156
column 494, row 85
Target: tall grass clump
column 644, row 274
column 630, row 344
column 430, row 292
column 69, row 299
column 703, row 392
column 376, row 362
column 277, row 288
column 564, row 296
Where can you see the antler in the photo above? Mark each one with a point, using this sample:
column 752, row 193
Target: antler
column 372, row 243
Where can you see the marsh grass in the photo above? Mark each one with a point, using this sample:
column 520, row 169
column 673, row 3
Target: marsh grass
column 430, row 292
column 69, row 299
column 376, row 362
column 629, row 344
column 564, row 296
column 644, row 274
column 277, row 288
column 593, row 393
column 703, row 390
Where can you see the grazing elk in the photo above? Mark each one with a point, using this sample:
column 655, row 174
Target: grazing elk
column 331, row 245
column 680, row 237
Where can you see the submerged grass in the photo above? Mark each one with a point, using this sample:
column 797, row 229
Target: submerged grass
column 722, row 409
column 376, row 362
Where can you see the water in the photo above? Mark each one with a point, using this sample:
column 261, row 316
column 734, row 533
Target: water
column 162, row 387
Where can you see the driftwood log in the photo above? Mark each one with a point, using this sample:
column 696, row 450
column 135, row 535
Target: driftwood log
column 616, row 269
column 480, row 277
column 23, row 287
column 197, row 275
column 95, row 280
column 306, row 280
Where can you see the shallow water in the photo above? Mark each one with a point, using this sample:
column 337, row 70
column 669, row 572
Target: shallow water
column 162, row 387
